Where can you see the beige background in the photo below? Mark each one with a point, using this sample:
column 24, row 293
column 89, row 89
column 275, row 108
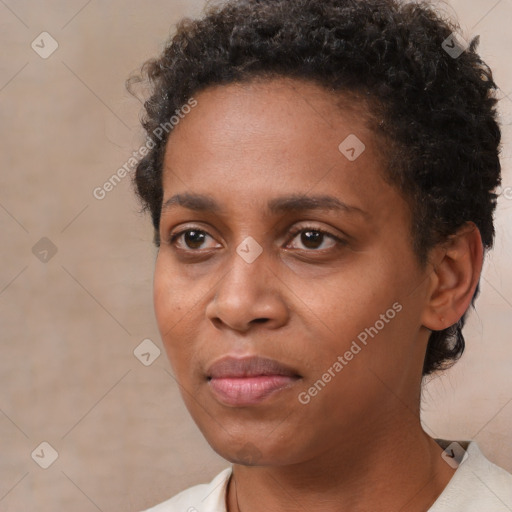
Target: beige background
column 69, row 326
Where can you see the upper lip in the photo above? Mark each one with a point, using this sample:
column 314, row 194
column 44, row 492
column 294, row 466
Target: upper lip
column 252, row 366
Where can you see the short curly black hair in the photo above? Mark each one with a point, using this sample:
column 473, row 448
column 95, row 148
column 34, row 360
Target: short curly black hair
column 436, row 110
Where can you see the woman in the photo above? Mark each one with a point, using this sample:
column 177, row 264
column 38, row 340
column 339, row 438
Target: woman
column 321, row 179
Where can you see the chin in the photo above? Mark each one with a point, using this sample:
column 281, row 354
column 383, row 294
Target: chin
column 252, row 450
column 238, row 451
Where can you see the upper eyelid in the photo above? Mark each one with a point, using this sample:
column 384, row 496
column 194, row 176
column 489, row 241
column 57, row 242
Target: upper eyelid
column 189, row 228
column 295, row 231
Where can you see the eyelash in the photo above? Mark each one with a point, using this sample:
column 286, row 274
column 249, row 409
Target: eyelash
column 292, row 235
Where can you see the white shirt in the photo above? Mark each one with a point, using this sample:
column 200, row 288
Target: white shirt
column 477, row 485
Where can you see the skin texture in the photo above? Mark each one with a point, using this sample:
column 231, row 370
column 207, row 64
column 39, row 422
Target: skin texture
column 358, row 444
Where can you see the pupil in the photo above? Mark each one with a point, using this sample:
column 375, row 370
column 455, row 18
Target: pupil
column 194, row 237
column 311, row 238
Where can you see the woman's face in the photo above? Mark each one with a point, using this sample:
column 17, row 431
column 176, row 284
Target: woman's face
column 282, row 241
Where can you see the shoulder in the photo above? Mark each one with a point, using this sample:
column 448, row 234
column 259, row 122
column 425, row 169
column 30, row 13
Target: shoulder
column 476, row 485
column 199, row 498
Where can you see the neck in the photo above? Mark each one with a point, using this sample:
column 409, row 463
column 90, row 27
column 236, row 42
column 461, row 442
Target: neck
column 399, row 471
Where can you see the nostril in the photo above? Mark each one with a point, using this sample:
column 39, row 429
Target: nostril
column 217, row 322
column 260, row 320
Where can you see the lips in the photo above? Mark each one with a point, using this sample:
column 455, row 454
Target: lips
column 250, row 380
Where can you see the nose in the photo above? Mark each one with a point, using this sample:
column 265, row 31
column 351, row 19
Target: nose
column 249, row 294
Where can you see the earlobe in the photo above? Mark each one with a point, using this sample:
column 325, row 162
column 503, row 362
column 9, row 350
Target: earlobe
column 457, row 265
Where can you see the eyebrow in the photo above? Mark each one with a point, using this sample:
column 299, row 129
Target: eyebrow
column 279, row 205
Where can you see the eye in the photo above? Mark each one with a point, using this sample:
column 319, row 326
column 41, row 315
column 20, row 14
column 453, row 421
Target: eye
column 312, row 237
column 189, row 239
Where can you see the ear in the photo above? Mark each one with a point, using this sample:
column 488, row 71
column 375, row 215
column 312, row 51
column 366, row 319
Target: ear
column 457, row 265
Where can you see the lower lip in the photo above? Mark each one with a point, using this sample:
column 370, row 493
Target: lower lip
column 249, row 390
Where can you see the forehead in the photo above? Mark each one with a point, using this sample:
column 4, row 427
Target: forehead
column 260, row 139
column 271, row 108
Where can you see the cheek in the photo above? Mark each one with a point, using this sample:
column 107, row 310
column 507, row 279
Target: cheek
column 179, row 310
column 171, row 307
column 173, row 296
column 369, row 306
column 166, row 307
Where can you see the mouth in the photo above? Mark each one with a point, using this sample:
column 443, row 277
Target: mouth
column 249, row 380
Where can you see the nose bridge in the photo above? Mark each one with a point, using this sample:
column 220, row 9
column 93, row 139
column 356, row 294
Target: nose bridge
column 248, row 264
column 244, row 294
column 249, row 250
